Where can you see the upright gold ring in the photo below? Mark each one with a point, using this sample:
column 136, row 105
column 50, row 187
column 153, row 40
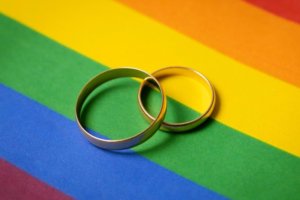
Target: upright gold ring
column 127, row 142
column 183, row 126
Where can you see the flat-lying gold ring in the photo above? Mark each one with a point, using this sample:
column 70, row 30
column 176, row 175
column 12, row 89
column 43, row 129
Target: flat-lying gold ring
column 183, row 126
column 127, row 142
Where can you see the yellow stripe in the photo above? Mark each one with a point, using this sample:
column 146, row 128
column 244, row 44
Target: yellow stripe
column 250, row 101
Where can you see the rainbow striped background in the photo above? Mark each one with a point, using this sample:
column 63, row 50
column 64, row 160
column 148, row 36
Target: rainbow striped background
column 249, row 149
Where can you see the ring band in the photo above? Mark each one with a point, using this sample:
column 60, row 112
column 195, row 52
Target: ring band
column 127, row 142
column 183, row 126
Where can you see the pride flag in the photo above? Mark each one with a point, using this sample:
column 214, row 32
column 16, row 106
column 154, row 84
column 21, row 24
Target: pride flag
column 248, row 149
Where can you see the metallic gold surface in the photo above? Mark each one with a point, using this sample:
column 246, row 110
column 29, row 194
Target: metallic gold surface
column 188, row 125
column 127, row 142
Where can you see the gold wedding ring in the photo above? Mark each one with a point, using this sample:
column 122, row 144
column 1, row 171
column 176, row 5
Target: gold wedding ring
column 155, row 123
column 127, row 142
column 183, row 126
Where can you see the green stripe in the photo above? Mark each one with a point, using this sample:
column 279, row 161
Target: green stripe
column 215, row 156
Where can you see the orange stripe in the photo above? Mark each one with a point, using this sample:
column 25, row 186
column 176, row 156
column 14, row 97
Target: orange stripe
column 238, row 29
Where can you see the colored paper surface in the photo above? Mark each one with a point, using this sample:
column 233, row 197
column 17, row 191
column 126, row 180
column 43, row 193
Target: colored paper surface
column 78, row 168
column 249, row 149
column 247, row 97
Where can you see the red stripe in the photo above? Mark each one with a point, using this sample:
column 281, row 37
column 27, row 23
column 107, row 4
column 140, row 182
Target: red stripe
column 289, row 9
column 17, row 184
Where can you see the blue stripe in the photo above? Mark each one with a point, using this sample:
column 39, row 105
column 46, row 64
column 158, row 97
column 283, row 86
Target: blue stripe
column 50, row 147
